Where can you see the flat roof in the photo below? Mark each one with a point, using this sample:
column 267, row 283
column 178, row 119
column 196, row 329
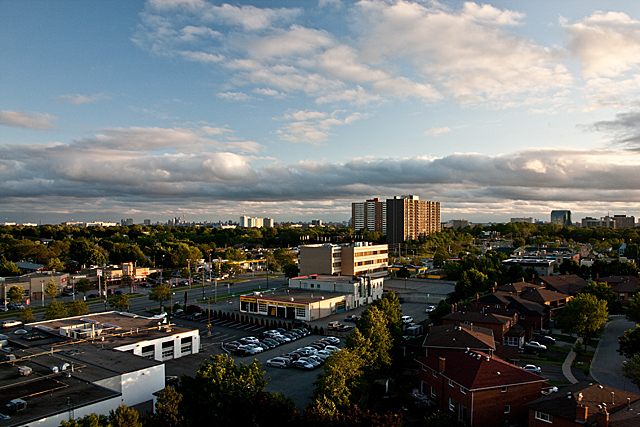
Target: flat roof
column 295, row 295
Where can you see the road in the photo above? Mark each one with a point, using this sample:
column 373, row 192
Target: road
column 606, row 367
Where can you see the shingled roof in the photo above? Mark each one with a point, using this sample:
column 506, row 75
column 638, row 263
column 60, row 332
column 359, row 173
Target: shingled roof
column 569, row 284
column 542, row 295
column 563, row 404
column 477, row 317
column 461, row 337
column 476, row 370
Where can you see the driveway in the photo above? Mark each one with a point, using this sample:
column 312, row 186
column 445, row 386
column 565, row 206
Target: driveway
column 606, row 367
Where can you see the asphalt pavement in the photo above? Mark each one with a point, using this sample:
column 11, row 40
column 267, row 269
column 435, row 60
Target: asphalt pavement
column 606, row 366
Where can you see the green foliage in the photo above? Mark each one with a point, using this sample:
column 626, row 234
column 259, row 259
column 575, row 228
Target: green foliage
column 8, row 268
column 15, row 294
column 341, row 375
column 26, row 315
column 440, row 419
column 290, row 270
column 124, row 417
column 56, row 310
column 120, row 302
column 583, row 315
column 390, row 307
column 83, row 285
column 91, row 420
column 442, row 309
column 160, row 293
column 374, row 327
column 352, row 416
column 471, row 282
column 77, row 308
column 167, row 412
column 630, row 342
column 604, row 292
column 51, row 289
column 55, row 264
column 633, row 310
column 631, row 369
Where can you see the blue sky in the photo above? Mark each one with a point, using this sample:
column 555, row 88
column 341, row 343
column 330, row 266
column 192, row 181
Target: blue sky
column 292, row 110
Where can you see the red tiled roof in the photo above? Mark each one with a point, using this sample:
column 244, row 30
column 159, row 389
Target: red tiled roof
column 476, row 370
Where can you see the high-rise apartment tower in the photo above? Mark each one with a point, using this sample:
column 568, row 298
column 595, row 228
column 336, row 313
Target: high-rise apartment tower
column 410, row 218
column 371, row 215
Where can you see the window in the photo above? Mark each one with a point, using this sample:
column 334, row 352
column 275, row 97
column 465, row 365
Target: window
column 433, row 392
column 450, row 383
column 507, row 409
column 463, row 390
column 452, row 404
column 504, row 389
column 543, row 417
column 434, row 373
column 300, row 313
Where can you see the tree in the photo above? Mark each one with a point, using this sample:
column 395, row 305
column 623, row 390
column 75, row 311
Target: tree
column 167, row 412
column 55, row 264
column 124, row 417
column 390, row 306
column 26, row 315
column 440, row 419
column 160, row 293
column 374, row 326
column 121, row 302
column 221, row 392
column 583, row 315
column 91, row 420
column 51, row 289
column 341, row 375
column 631, row 369
column 290, row 270
column 604, row 292
column 77, row 308
column 630, row 342
column 7, row 268
column 56, row 310
column 633, row 310
column 83, row 285
column 442, row 309
column 15, row 294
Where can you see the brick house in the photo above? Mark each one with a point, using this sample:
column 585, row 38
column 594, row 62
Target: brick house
column 499, row 324
column 478, row 389
column 624, row 286
column 569, row 284
column 585, row 404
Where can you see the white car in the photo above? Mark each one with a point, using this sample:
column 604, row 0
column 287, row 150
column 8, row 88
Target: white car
column 407, row 319
column 430, row 309
column 331, row 348
column 279, row 362
column 323, row 354
column 532, row 368
column 10, row 323
column 252, row 340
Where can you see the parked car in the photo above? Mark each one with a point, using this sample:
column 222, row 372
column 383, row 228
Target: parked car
column 264, row 346
column 313, row 350
column 272, row 333
column 303, row 364
column 315, row 362
column 232, row 345
column 279, row 362
column 300, row 323
column 532, row 368
column 331, row 348
column 317, row 359
column 171, row 380
column 534, row 345
column 332, row 340
column 282, row 339
column 430, row 308
column 407, row 319
column 271, row 341
column 301, row 332
column 352, row 318
column 10, row 323
column 546, row 340
column 291, row 356
column 323, row 354
column 90, row 296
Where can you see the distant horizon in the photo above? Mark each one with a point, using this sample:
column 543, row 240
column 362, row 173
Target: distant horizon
column 289, row 109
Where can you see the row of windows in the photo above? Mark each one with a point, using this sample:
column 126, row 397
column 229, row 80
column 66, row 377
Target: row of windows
column 544, row 417
column 369, row 262
column 370, row 253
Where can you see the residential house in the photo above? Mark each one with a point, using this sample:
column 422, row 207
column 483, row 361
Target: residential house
column 585, row 404
column 478, row 389
column 624, row 286
column 569, row 284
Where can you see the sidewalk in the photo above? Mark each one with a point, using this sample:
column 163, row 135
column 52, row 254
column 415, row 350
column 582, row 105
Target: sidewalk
column 566, row 365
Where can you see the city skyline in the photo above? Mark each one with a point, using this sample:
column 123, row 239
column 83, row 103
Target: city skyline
column 168, row 108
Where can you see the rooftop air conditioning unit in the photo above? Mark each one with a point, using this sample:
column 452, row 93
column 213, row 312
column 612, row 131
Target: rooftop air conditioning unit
column 24, row 371
column 16, row 405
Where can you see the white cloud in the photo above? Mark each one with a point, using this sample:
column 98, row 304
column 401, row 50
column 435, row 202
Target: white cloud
column 313, row 126
column 437, row 131
column 81, row 99
column 607, row 44
column 201, row 56
column 234, row 96
column 36, row 121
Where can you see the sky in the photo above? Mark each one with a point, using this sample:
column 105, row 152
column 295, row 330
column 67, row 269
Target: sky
column 294, row 109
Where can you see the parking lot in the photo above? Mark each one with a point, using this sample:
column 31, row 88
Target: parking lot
column 294, row 383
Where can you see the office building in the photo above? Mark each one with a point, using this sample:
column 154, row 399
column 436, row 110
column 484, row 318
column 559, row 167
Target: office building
column 523, row 219
column 624, row 221
column 371, row 214
column 561, row 218
column 360, row 258
column 409, row 218
column 267, row 222
column 602, row 222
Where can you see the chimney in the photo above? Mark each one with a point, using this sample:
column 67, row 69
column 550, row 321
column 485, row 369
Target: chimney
column 452, row 308
column 602, row 418
column 582, row 412
column 441, row 364
column 477, row 297
column 613, row 398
